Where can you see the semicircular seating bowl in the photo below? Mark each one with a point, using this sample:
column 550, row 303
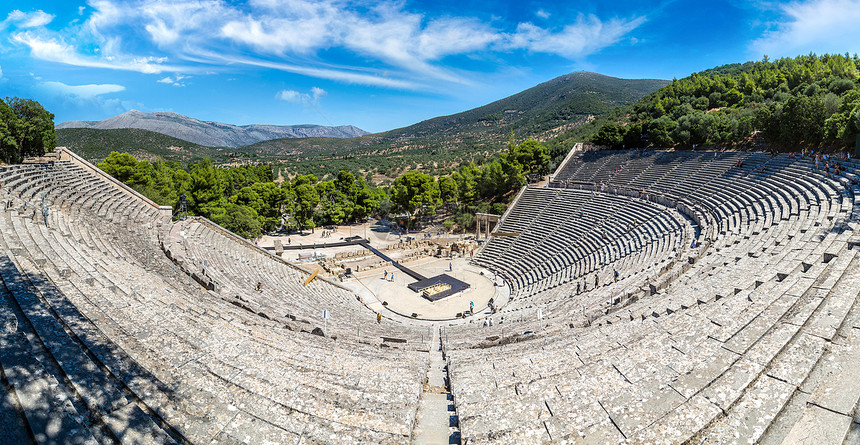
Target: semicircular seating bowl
column 750, row 337
column 750, row 342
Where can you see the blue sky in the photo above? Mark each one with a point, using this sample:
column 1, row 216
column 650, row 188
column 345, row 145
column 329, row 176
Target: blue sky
column 376, row 65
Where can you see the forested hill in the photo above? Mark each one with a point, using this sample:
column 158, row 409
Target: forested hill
column 96, row 144
column 560, row 102
column 787, row 104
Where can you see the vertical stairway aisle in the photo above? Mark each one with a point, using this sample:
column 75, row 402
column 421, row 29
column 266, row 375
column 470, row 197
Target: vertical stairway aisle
column 436, row 421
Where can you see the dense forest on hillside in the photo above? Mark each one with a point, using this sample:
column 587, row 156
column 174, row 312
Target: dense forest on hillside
column 95, row 145
column 803, row 102
column 246, row 200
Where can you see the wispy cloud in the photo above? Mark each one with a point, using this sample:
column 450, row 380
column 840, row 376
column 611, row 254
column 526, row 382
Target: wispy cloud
column 176, row 80
column 87, row 97
column 55, row 50
column 311, row 98
column 27, row 19
column 81, row 91
column 812, row 26
column 348, row 75
column 582, row 38
column 542, row 14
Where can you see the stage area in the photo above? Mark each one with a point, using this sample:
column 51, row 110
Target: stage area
column 376, row 287
column 438, row 287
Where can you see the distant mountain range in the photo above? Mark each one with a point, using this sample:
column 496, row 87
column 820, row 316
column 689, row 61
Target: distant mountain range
column 212, row 134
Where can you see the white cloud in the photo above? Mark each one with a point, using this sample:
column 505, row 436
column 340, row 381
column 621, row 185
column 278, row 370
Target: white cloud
column 454, row 36
column 340, row 74
column 289, row 96
column 819, row 26
column 188, row 22
column 312, row 98
column 28, row 19
column 55, row 50
column 296, row 26
column 1, row 72
column 385, row 32
column 89, row 97
column 81, row 91
column 584, row 37
column 176, row 81
column 317, row 93
column 81, row 10
column 542, row 14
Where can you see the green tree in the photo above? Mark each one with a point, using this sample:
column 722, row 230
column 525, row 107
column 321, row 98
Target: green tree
column 27, row 129
column 467, row 183
column 532, row 156
column 306, row 200
column 609, row 135
column 163, row 188
column 334, row 207
column 127, row 169
column 448, row 189
column 660, row 131
column 413, row 191
column 241, row 220
column 206, row 188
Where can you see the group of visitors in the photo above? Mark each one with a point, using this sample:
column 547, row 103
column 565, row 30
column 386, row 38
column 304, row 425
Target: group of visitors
column 831, row 165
